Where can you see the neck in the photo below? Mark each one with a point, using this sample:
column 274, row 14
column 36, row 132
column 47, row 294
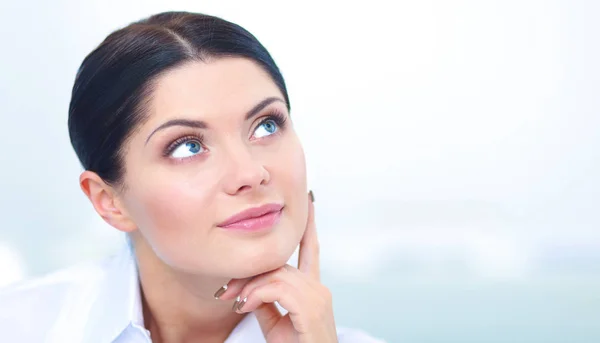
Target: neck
column 179, row 307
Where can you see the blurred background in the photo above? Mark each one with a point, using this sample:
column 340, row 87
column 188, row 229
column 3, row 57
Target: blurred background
column 453, row 147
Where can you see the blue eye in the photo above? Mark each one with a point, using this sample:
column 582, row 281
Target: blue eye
column 188, row 148
column 266, row 128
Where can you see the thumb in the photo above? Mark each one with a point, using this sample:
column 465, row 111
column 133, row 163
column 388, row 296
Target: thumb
column 268, row 316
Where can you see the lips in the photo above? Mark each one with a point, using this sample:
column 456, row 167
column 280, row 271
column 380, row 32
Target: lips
column 254, row 218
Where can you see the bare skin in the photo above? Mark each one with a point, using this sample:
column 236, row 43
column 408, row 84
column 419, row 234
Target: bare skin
column 218, row 140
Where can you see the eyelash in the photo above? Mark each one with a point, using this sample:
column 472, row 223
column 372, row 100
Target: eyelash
column 277, row 116
column 176, row 143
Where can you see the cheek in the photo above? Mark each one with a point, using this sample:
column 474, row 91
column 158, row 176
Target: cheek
column 290, row 166
column 289, row 176
column 170, row 215
column 175, row 210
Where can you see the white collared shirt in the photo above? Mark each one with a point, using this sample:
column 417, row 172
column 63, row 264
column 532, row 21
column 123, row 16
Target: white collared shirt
column 98, row 303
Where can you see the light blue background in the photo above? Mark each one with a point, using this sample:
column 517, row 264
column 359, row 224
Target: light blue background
column 453, row 147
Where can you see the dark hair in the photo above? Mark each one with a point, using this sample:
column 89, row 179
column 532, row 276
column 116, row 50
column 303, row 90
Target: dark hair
column 113, row 84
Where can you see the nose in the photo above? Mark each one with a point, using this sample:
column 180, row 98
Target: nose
column 245, row 172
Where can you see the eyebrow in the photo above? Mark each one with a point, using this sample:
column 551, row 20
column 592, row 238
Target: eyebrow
column 202, row 125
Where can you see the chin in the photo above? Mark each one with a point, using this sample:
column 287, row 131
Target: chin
column 264, row 254
column 255, row 264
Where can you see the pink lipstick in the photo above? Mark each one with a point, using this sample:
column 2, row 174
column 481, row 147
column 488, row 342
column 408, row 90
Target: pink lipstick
column 254, row 219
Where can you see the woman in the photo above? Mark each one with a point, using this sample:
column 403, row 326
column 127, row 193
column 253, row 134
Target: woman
column 181, row 122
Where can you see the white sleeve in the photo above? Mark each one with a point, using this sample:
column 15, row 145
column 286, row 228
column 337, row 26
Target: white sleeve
column 346, row 335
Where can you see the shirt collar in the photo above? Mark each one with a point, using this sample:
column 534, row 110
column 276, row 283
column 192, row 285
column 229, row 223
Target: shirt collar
column 119, row 306
column 118, row 303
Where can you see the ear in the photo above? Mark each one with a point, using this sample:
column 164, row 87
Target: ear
column 105, row 201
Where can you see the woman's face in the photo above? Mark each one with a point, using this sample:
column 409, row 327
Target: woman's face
column 218, row 141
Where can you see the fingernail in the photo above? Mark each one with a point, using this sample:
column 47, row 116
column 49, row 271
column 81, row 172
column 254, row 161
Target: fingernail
column 220, row 292
column 237, row 300
column 242, row 303
column 312, row 196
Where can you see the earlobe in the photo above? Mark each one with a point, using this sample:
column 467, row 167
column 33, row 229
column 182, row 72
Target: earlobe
column 104, row 199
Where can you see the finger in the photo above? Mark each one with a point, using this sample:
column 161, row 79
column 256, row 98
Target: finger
column 268, row 316
column 286, row 274
column 231, row 289
column 283, row 293
column 308, row 259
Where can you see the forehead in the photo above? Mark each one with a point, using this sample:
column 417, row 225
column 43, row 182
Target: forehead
column 206, row 89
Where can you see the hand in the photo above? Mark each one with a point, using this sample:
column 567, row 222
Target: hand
column 299, row 291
